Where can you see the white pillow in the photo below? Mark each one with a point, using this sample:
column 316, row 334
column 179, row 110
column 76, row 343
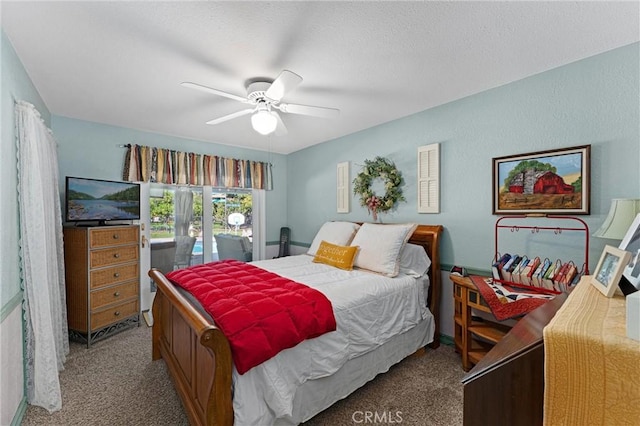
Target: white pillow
column 380, row 246
column 414, row 260
column 339, row 233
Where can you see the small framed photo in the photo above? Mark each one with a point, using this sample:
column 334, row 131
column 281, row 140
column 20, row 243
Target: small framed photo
column 609, row 269
column 631, row 243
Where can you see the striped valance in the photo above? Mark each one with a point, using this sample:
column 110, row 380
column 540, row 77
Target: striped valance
column 148, row 164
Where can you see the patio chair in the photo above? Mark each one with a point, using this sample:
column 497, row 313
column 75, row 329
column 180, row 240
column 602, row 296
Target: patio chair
column 163, row 255
column 234, row 247
column 184, row 247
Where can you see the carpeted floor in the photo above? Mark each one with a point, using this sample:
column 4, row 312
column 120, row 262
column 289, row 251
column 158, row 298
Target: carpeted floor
column 116, row 383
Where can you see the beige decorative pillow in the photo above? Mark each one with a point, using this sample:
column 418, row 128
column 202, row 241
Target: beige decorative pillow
column 380, row 246
column 334, row 255
column 340, row 233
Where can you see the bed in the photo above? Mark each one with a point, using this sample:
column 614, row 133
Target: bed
column 199, row 358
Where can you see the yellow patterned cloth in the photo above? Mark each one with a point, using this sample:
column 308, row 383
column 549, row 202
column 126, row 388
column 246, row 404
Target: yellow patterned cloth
column 591, row 367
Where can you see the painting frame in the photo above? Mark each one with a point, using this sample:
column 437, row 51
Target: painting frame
column 544, row 191
column 609, row 270
column 631, row 243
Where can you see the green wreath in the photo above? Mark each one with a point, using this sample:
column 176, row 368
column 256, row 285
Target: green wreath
column 379, row 168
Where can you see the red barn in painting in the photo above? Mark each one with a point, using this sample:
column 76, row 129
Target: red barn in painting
column 551, row 183
column 539, row 182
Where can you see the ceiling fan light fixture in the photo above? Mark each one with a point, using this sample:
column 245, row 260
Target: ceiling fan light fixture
column 264, row 121
column 264, row 97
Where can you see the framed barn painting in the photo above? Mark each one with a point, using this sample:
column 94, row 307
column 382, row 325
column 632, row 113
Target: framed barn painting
column 544, row 182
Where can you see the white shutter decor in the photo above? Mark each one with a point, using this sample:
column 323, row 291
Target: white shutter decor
column 343, row 187
column 429, row 178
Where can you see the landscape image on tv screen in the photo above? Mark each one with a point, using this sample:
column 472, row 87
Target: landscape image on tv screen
column 101, row 200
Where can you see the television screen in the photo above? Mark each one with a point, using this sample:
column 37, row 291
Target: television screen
column 101, row 200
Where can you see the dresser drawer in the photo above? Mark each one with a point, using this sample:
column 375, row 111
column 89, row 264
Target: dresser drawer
column 114, row 275
column 113, row 314
column 113, row 256
column 115, row 294
column 105, row 237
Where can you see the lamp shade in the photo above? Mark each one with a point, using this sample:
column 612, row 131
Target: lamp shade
column 264, row 122
column 621, row 214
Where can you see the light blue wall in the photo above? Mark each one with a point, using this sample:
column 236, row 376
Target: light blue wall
column 16, row 85
column 593, row 101
column 89, row 149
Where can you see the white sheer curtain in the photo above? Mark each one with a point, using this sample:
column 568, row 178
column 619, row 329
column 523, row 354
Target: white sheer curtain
column 259, row 223
column 183, row 211
column 42, row 258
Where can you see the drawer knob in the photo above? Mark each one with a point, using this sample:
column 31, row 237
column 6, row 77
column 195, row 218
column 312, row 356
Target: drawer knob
column 116, row 275
column 116, row 294
column 116, row 255
column 116, row 313
column 116, row 236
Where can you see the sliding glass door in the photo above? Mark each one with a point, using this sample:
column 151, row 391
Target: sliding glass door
column 183, row 225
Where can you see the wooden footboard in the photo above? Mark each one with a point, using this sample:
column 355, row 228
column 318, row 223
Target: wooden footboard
column 197, row 355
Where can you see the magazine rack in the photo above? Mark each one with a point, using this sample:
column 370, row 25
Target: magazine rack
column 515, row 224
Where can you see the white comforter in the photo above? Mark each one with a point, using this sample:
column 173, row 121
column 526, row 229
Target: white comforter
column 369, row 309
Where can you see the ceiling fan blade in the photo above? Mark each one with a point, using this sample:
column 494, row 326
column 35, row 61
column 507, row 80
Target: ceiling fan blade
column 282, row 85
column 231, row 116
column 213, row 91
column 309, row 110
column 281, row 129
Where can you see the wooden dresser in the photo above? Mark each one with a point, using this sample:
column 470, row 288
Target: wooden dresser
column 506, row 387
column 102, row 270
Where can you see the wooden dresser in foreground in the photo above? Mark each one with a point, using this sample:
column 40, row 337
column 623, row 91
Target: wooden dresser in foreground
column 506, row 387
column 102, row 271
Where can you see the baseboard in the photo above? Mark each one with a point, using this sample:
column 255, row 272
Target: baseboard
column 447, row 340
column 20, row 412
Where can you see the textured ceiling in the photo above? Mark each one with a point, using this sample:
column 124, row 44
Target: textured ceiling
column 121, row 63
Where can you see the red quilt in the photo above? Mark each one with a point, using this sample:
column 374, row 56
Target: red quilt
column 501, row 307
column 260, row 313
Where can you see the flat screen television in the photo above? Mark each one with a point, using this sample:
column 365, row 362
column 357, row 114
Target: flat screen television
column 95, row 200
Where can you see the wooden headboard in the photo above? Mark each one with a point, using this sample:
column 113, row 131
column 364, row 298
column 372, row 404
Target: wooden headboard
column 428, row 236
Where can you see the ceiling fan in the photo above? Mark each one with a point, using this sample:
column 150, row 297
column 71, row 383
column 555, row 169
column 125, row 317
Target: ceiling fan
column 265, row 98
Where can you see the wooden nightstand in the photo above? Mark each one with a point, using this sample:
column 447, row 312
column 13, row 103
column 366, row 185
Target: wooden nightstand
column 473, row 336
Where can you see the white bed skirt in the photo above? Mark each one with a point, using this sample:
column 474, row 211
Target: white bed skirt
column 317, row 395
